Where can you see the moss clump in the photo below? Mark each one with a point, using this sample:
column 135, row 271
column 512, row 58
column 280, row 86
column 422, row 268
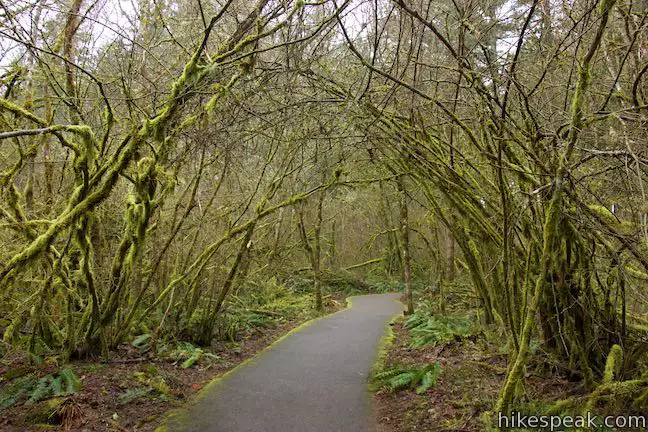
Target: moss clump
column 46, row 412
column 613, row 364
column 622, row 226
column 636, row 273
column 386, row 342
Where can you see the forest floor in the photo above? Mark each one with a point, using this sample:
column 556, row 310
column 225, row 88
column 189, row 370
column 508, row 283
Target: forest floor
column 132, row 392
column 472, row 372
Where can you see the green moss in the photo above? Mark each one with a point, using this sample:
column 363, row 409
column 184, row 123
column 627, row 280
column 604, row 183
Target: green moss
column 45, row 412
column 88, row 151
column 18, row 110
column 613, row 364
column 606, row 6
column 210, row 106
column 603, row 211
column 636, row 273
column 188, row 122
column 623, row 226
column 386, row 342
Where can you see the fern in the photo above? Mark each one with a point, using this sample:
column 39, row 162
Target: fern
column 195, row 356
column 142, row 341
column 401, row 377
column 71, row 381
column 415, row 320
column 56, row 386
column 190, row 355
column 16, row 390
column 43, row 389
column 390, row 373
column 133, row 394
column 64, row 383
column 430, row 376
column 402, row 380
column 432, row 330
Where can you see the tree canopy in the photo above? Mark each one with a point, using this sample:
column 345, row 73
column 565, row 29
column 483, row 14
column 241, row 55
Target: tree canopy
column 159, row 157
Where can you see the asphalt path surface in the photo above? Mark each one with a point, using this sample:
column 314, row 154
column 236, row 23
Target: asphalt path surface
column 314, row 380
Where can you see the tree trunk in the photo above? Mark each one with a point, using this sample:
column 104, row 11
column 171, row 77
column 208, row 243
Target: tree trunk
column 452, row 269
column 404, row 232
column 314, row 251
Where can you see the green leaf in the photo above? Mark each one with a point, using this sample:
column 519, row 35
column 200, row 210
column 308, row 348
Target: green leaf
column 71, row 381
column 195, row 356
column 401, row 377
column 133, row 394
column 57, row 386
column 429, row 379
column 13, row 391
column 42, row 390
column 401, row 381
column 141, row 340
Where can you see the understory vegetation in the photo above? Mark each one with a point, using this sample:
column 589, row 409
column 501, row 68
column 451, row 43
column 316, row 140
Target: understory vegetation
column 179, row 176
column 150, row 373
column 444, row 371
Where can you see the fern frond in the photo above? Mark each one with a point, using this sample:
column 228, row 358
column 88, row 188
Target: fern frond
column 15, row 390
column 390, row 373
column 42, row 390
column 401, row 381
column 70, row 380
column 440, row 330
column 401, row 377
column 415, row 320
column 57, row 386
column 429, row 378
column 193, row 358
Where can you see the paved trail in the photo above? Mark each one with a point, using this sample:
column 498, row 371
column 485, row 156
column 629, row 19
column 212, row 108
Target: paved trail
column 315, row 380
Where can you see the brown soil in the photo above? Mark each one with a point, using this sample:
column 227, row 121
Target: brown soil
column 99, row 405
column 472, row 372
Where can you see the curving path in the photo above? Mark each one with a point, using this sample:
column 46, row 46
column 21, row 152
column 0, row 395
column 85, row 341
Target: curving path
column 314, row 380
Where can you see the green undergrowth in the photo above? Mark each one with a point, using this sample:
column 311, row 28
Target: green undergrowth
column 182, row 353
column 420, row 287
column 350, row 284
column 289, row 307
column 252, row 308
column 418, row 378
column 148, row 382
column 381, row 287
column 32, row 387
column 428, row 329
column 188, row 355
column 47, row 394
column 263, row 302
column 341, row 282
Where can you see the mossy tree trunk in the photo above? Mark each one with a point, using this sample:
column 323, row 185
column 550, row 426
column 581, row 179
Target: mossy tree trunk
column 313, row 250
column 404, row 230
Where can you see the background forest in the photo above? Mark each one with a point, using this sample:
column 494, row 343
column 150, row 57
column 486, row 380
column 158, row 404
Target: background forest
column 168, row 164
